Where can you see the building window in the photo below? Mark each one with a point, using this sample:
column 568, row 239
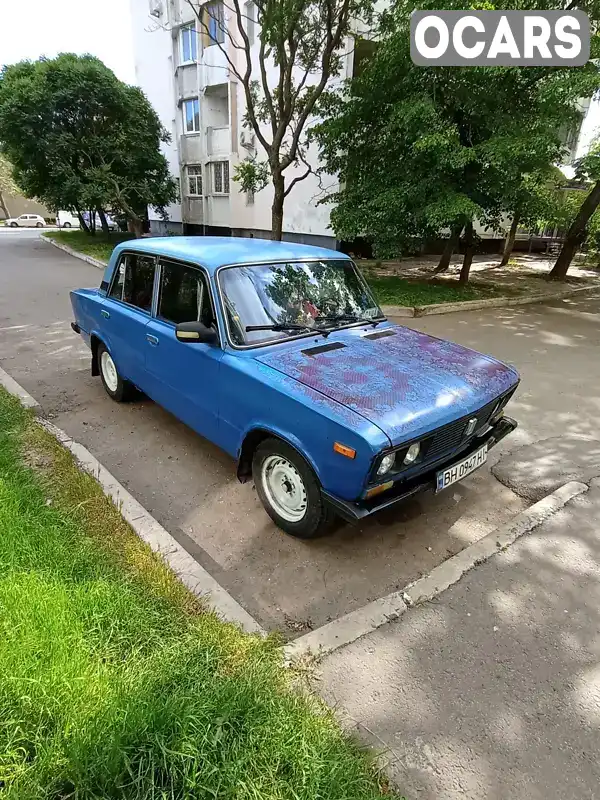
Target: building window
column 220, row 177
column 250, row 12
column 215, row 22
column 189, row 44
column 191, row 116
column 178, row 190
column 249, row 198
column 194, row 175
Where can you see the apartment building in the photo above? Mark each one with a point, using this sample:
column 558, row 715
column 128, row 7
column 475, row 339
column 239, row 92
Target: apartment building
column 184, row 72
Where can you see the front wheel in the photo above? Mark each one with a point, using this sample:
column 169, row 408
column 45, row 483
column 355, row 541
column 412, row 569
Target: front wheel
column 116, row 387
column 289, row 490
column 14, row 225
column 67, row 225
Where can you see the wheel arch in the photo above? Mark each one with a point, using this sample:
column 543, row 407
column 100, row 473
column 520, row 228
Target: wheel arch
column 253, row 437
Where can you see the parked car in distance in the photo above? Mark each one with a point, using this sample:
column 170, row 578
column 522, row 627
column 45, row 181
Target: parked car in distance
column 280, row 355
column 66, row 219
column 26, row 221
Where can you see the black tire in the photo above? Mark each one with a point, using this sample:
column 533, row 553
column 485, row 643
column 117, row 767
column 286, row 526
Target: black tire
column 318, row 515
column 39, row 225
column 67, row 225
column 14, row 225
column 124, row 390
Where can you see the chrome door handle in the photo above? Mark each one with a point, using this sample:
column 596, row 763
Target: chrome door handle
column 152, row 339
column 105, row 314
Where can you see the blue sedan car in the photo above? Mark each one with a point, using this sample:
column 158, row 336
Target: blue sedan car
column 279, row 354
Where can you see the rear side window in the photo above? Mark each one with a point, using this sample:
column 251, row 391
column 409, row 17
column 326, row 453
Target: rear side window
column 134, row 281
column 183, row 295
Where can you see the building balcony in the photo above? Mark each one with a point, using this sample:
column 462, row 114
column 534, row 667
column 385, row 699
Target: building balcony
column 218, row 141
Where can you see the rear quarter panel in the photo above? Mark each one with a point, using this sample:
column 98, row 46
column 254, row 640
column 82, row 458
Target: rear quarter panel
column 86, row 304
column 255, row 396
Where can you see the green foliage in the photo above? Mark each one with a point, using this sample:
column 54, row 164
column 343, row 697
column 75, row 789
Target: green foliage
column 99, row 246
column 7, row 182
column 391, row 290
column 420, row 150
column 81, row 139
column 115, row 684
column 251, row 174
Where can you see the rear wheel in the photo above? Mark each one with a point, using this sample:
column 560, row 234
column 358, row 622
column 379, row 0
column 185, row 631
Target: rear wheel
column 116, row 387
column 67, row 225
column 39, row 224
column 289, row 490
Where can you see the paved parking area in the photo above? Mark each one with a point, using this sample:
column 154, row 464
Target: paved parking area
column 191, row 487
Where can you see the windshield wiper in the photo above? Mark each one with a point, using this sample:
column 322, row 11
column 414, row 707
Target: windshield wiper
column 350, row 318
column 279, row 326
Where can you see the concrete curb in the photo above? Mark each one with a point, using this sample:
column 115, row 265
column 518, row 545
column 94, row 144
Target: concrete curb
column 187, row 569
column 12, row 387
column 365, row 620
column 476, row 305
column 93, row 261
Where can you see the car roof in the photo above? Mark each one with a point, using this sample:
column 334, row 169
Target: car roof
column 212, row 252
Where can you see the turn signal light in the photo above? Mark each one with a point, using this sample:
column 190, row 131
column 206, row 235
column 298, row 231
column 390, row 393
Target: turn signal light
column 378, row 489
column 344, row 450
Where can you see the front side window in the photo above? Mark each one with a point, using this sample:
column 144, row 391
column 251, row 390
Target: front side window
column 191, row 116
column 183, row 295
column 189, row 44
column 220, row 177
column 194, row 174
column 134, row 281
column 311, row 295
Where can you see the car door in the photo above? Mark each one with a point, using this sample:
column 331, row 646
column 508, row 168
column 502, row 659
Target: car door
column 24, row 221
column 126, row 312
column 184, row 376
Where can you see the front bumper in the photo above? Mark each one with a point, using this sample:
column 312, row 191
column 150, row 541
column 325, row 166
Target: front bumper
column 352, row 512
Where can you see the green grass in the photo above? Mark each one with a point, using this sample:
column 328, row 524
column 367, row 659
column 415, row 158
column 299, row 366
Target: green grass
column 98, row 246
column 390, row 290
column 115, row 682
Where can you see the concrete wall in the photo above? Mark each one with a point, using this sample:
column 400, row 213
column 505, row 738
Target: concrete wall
column 17, row 205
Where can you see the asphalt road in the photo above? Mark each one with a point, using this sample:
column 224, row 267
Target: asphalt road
column 191, row 488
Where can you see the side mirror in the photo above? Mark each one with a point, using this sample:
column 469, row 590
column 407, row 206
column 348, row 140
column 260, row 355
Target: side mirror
column 196, row 332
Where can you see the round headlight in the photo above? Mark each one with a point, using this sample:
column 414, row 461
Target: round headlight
column 412, row 453
column 387, row 462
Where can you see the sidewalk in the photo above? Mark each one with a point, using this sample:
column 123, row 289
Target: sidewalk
column 493, row 691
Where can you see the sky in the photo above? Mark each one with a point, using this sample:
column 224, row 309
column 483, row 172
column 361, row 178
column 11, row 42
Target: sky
column 99, row 27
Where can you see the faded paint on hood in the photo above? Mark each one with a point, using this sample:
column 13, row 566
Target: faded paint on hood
column 407, row 384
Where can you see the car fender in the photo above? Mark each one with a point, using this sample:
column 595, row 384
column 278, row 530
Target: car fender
column 279, row 433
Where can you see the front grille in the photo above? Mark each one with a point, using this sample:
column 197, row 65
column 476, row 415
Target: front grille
column 451, row 436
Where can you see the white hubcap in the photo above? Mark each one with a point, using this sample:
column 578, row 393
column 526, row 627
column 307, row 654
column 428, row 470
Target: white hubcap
column 109, row 371
column 284, row 488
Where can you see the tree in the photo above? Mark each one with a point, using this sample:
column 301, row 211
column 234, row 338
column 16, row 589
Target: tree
column 420, row 151
column 81, row 139
column 588, row 169
column 7, row 184
column 302, row 46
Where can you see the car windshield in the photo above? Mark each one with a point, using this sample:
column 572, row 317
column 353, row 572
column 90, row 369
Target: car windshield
column 305, row 295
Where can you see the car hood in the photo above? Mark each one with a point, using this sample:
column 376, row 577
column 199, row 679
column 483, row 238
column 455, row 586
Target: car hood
column 405, row 382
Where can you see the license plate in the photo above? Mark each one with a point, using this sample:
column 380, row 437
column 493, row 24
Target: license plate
column 461, row 469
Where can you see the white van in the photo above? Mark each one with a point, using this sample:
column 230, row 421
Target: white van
column 65, row 219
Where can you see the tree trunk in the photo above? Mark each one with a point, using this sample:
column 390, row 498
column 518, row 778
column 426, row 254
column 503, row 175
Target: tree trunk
column 469, row 248
column 575, row 235
column 3, row 206
column 277, row 208
column 450, row 247
column 510, row 240
column 82, row 222
column 103, row 222
column 136, row 226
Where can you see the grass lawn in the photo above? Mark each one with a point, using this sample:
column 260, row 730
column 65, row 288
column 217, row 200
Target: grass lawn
column 115, row 683
column 394, row 291
column 98, row 246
